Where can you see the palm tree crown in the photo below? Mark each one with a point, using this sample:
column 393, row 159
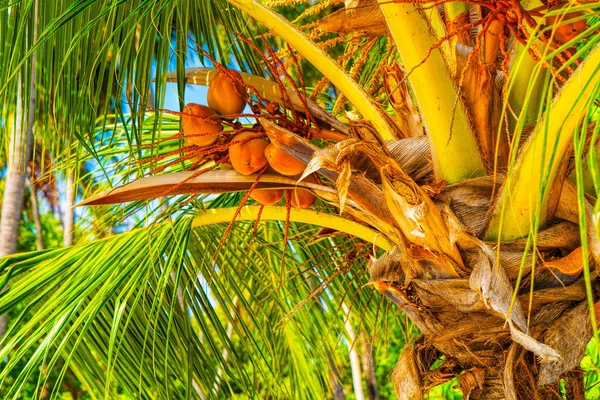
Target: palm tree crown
column 357, row 160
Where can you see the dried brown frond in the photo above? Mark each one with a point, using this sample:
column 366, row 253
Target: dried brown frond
column 280, row 3
column 365, row 18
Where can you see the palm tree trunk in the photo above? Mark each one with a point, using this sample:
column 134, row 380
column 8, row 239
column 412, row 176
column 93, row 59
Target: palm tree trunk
column 19, row 149
column 354, row 358
column 12, row 202
column 18, row 158
column 338, row 389
column 69, row 215
column 368, row 364
column 35, row 211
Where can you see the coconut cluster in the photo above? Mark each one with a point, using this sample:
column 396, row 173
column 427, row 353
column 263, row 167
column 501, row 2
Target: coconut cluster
column 202, row 126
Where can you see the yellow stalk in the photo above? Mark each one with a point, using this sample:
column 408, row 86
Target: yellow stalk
column 541, row 156
column 305, row 216
column 455, row 154
column 438, row 26
column 336, row 75
column 456, row 9
column 526, row 85
column 457, row 15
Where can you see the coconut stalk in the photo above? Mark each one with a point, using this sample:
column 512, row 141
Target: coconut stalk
column 457, row 16
column 332, row 71
column 365, row 16
column 307, row 216
column 446, row 121
column 525, row 87
column 523, row 203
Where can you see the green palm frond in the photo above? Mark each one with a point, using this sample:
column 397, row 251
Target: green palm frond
column 90, row 53
column 152, row 307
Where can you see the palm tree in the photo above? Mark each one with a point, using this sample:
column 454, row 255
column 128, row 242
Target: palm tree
column 20, row 138
column 456, row 173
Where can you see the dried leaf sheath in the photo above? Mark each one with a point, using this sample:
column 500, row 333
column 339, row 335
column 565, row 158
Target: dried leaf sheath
column 419, row 219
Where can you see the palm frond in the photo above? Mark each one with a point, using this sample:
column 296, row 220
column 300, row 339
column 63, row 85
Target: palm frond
column 160, row 307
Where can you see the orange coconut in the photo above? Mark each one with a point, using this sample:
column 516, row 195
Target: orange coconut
column 282, row 162
column 268, row 197
column 226, row 95
column 566, row 32
column 207, row 131
column 248, row 157
column 302, row 198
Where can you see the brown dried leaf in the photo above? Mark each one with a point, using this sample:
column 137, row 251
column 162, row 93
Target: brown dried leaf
column 510, row 261
column 575, row 387
column 407, row 117
column 569, row 334
column 388, row 267
column 328, row 158
column 322, row 159
column 418, row 217
column 407, row 376
column 413, row 154
column 208, row 182
column 491, row 282
column 365, row 194
column 343, row 183
column 568, row 210
column 544, row 352
column 514, row 351
column 470, row 380
column 552, row 296
column 563, row 235
column 402, row 263
column 493, row 285
column 470, row 201
column 567, row 204
column 561, row 272
column 484, row 102
column 365, row 17
column 443, row 293
column 388, row 277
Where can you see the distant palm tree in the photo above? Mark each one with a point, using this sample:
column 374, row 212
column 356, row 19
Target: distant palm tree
column 20, row 139
column 455, row 158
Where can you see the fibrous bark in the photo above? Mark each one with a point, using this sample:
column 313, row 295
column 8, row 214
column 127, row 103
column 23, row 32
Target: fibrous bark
column 488, row 340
